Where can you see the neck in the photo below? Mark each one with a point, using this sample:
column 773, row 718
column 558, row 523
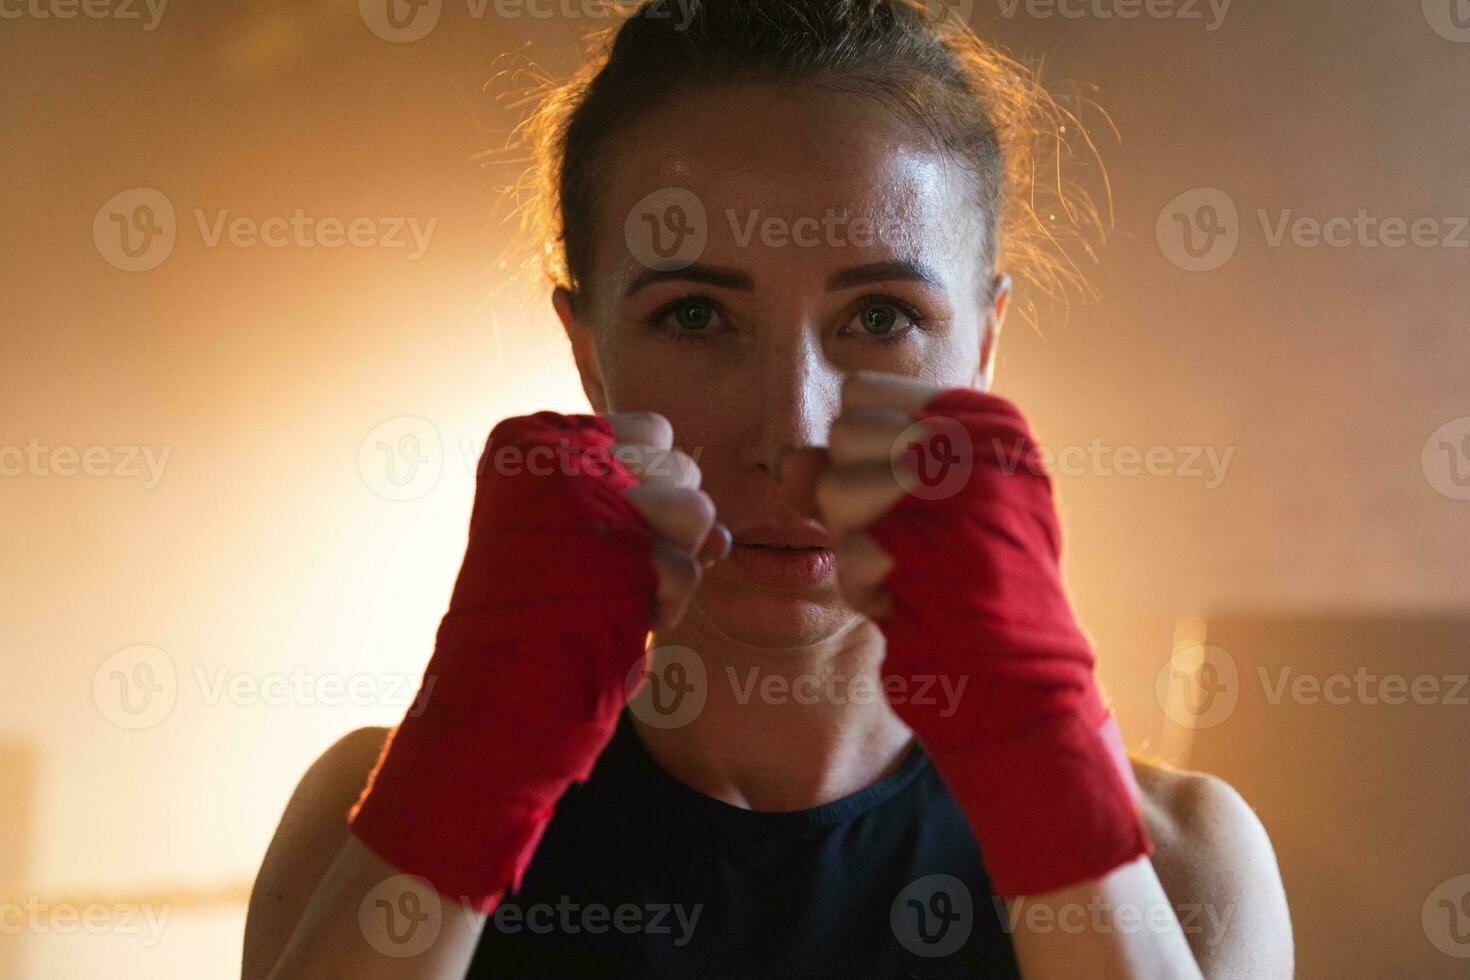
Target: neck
column 780, row 729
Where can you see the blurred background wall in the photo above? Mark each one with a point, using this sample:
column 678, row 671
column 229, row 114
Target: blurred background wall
column 237, row 481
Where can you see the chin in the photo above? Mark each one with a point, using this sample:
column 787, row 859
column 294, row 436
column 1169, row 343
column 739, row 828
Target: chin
column 776, row 619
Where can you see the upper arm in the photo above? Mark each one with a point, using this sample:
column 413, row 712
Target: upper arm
column 1216, row 864
column 307, row 841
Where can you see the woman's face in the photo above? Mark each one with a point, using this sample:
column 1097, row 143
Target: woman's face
column 833, row 239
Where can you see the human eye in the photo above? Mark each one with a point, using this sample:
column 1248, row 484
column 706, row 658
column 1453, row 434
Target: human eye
column 688, row 318
column 884, row 320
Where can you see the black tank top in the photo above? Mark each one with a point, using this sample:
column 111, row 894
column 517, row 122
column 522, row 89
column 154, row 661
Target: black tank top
column 640, row 876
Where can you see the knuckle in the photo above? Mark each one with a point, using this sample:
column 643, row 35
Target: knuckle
column 843, row 440
column 657, row 429
column 833, row 498
column 690, row 474
column 679, row 573
column 677, row 468
column 694, row 512
column 702, row 506
column 648, row 428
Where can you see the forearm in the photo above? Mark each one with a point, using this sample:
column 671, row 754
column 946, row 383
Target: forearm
column 1119, row 927
column 367, row 920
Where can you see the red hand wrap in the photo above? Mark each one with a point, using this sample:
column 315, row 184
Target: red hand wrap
column 1032, row 755
column 549, row 615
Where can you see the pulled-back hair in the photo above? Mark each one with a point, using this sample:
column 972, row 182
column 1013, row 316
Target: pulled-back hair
column 987, row 111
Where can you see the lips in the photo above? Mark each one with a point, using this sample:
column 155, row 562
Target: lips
column 792, row 556
column 789, row 536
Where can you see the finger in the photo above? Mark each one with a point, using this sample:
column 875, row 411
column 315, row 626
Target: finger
column 641, row 429
column 681, row 516
column 869, row 389
column 866, row 435
column 659, row 464
column 716, row 547
column 862, row 569
column 679, row 575
column 852, row 497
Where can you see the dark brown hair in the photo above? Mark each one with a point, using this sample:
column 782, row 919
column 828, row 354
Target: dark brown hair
column 987, row 110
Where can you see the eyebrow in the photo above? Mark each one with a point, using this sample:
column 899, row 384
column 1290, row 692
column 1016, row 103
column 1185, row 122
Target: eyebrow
column 894, row 270
column 891, row 271
column 710, row 275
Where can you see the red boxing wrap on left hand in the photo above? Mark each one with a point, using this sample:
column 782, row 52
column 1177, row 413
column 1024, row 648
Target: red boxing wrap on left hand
column 1031, row 754
column 549, row 615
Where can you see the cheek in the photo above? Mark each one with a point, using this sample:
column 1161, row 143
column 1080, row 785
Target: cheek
column 947, row 359
column 955, row 362
column 663, row 377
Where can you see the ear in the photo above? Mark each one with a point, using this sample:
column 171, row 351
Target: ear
column 584, row 349
column 995, row 318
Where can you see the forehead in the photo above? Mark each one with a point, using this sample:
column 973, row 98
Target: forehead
column 793, row 179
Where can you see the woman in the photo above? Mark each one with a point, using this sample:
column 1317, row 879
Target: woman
column 869, row 743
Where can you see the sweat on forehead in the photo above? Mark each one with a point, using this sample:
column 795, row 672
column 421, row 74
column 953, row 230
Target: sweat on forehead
column 935, row 82
column 813, row 177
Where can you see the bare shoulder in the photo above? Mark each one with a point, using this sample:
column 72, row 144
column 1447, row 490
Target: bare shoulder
column 311, row 832
column 1214, row 858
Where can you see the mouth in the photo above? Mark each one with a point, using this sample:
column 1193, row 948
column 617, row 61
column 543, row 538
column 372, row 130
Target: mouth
column 789, row 557
column 808, row 536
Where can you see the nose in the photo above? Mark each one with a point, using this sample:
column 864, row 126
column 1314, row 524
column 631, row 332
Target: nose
column 799, row 394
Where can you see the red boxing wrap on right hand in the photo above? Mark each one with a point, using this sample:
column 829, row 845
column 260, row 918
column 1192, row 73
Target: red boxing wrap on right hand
column 1029, row 751
column 549, row 615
